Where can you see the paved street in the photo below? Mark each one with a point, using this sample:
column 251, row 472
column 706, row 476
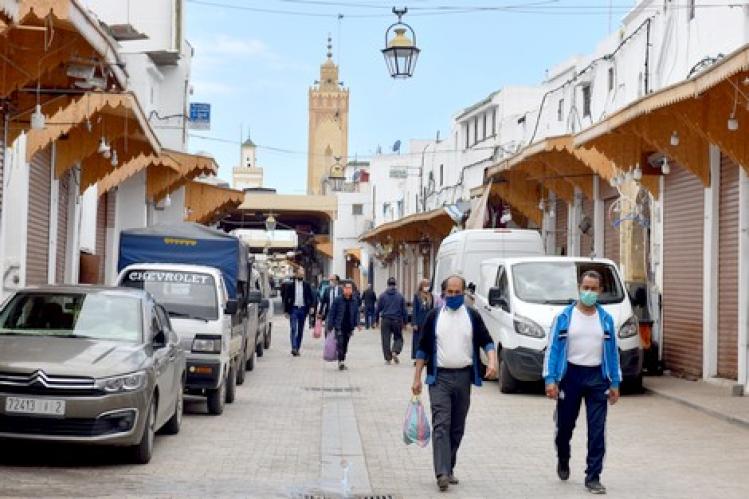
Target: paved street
column 296, row 419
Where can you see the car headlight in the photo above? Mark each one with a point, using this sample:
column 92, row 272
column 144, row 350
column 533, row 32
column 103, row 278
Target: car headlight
column 124, row 383
column 629, row 328
column 206, row 345
column 527, row 327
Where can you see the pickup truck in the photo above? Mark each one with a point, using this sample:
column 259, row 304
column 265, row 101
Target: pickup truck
column 200, row 276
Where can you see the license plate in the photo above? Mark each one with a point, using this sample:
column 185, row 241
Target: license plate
column 46, row 407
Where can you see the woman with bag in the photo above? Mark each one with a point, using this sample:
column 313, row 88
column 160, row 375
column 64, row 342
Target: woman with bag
column 423, row 303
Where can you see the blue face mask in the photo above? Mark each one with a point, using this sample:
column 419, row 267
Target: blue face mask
column 454, row 302
column 588, row 298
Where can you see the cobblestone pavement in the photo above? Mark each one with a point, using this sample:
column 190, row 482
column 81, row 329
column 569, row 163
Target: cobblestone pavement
column 271, row 443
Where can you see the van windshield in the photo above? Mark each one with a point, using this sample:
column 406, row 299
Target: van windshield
column 556, row 283
column 190, row 295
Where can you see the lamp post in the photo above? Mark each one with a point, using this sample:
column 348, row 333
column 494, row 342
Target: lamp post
column 400, row 51
column 270, row 223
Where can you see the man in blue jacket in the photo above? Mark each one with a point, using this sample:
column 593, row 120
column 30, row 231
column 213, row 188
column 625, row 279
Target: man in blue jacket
column 582, row 361
column 343, row 319
column 392, row 315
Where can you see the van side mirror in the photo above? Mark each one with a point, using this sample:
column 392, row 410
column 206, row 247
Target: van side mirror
column 231, row 307
column 159, row 340
column 496, row 299
column 254, row 296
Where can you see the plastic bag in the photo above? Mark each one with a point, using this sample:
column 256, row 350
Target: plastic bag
column 317, row 331
column 330, row 349
column 416, row 428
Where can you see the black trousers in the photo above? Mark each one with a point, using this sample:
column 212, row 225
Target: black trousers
column 342, row 338
column 391, row 331
column 581, row 382
column 450, row 398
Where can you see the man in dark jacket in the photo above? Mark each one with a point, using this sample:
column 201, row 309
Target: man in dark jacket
column 391, row 313
column 298, row 299
column 343, row 319
column 332, row 292
column 370, row 302
column 449, row 348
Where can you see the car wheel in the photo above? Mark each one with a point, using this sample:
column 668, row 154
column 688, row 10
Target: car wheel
column 217, row 399
column 241, row 372
column 143, row 452
column 174, row 424
column 266, row 343
column 259, row 350
column 250, row 365
column 507, row 383
column 231, row 386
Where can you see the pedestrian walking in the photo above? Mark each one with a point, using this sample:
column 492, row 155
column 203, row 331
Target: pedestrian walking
column 391, row 314
column 370, row 302
column 332, row 292
column 582, row 362
column 451, row 338
column 343, row 319
column 423, row 303
column 298, row 299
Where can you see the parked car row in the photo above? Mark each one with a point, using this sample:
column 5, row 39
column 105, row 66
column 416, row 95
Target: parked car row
column 111, row 365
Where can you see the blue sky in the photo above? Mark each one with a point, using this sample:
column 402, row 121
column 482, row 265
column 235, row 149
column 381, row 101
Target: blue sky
column 255, row 70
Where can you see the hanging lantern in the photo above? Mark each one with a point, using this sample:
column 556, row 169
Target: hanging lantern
column 400, row 51
column 337, row 175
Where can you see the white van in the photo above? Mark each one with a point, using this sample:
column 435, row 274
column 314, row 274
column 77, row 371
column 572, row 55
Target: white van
column 518, row 298
column 461, row 253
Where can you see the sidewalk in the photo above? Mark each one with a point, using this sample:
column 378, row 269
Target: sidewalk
column 712, row 399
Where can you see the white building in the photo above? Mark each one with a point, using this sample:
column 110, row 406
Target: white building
column 248, row 174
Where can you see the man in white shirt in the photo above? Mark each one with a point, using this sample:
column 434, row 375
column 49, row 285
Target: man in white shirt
column 449, row 348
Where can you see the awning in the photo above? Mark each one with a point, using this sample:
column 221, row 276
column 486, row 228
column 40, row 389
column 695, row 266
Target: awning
column 9, row 11
column 680, row 121
column 163, row 178
column 205, row 203
column 45, row 37
column 325, row 248
column 286, row 203
column 435, row 224
column 354, row 253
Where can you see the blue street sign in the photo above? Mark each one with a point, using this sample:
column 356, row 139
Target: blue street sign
column 200, row 116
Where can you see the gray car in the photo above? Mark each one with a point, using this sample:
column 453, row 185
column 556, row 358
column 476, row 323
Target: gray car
column 89, row 365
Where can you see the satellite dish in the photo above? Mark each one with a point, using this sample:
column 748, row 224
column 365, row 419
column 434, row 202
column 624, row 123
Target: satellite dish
column 397, row 146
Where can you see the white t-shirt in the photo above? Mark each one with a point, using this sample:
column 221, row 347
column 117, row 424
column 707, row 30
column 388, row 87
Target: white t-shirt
column 585, row 339
column 299, row 293
column 454, row 336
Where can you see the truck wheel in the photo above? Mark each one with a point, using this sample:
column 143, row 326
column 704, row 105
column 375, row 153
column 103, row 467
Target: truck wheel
column 259, row 350
column 266, row 343
column 507, row 384
column 143, row 452
column 241, row 372
column 174, row 424
column 217, row 399
column 231, row 386
column 250, row 364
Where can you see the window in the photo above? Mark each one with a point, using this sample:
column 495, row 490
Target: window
column 586, row 99
column 555, row 283
column 691, row 9
column 442, row 175
column 357, row 209
column 468, row 139
column 504, row 288
column 182, row 294
column 483, row 118
column 560, row 110
column 494, row 121
column 400, row 208
column 611, row 78
column 475, row 130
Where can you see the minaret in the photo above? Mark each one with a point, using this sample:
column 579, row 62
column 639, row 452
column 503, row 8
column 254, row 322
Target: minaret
column 248, row 174
column 328, row 124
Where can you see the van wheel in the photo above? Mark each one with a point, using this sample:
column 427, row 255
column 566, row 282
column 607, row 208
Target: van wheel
column 174, row 424
column 259, row 350
column 143, row 452
column 217, row 399
column 231, row 386
column 250, row 364
column 507, row 384
column 241, row 373
column 266, row 342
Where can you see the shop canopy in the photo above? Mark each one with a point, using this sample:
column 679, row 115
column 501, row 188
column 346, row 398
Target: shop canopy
column 430, row 225
column 206, row 203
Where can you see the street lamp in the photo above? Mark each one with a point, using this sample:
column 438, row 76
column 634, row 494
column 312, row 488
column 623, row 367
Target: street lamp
column 270, row 223
column 337, row 175
column 400, row 51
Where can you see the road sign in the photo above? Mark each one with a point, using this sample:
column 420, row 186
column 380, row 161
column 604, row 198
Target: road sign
column 398, row 172
column 200, row 116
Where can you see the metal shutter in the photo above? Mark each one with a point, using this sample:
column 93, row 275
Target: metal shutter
column 101, row 234
column 2, row 156
column 561, row 226
column 62, row 228
column 728, row 270
column 586, row 240
column 683, row 226
column 37, row 238
column 610, row 233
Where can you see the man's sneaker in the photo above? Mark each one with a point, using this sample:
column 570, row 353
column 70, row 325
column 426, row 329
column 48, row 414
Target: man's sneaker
column 595, row 487
column 453, row 480
column 387, row 362
column 396, row 359
column 443, row 482
column 563, row 470
column 341, row 366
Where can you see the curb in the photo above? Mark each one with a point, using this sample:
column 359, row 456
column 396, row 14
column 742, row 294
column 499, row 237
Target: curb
column 744, row 423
